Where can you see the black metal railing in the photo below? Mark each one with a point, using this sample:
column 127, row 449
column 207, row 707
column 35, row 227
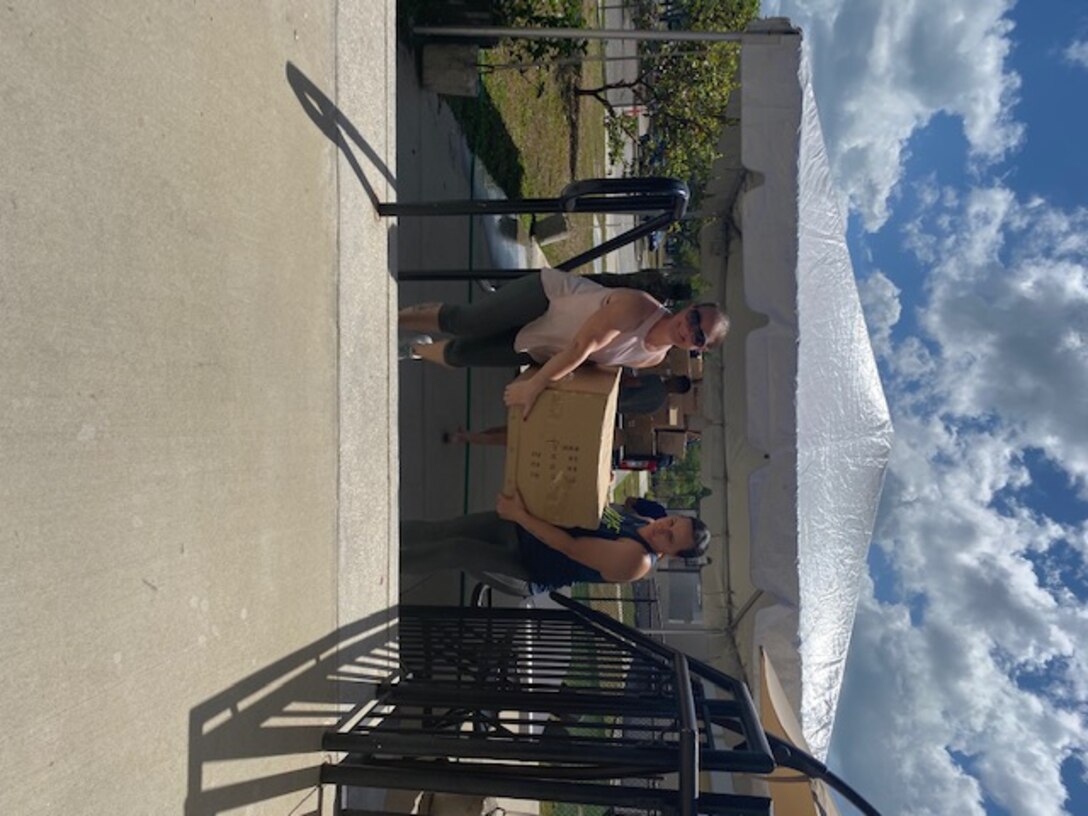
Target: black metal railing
column 556, row 705
column 666, row 197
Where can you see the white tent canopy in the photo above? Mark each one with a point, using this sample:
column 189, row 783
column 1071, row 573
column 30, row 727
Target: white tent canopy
column 797, row 432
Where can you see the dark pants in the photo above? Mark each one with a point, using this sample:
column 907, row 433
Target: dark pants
column 484, row 331
column 477, row 543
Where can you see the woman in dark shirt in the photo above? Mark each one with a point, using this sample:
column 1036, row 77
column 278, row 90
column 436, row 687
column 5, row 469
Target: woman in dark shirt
column 517, row 544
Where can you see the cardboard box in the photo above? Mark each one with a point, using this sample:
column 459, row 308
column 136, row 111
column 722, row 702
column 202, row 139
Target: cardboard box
column 638, row 435
column 696, row 422
column 679, row 362
column 686, row 403
column 560, row 458
column 672, row 443
column 696, row 365
column 670, row 416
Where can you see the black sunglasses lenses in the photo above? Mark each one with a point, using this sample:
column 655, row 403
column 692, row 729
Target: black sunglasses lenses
column 695, row 321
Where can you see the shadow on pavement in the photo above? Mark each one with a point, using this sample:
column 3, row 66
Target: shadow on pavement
column 482, row 125
column 331, row 121
column 277, row 716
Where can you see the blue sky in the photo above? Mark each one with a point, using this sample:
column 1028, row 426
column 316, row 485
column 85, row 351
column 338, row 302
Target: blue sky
column 955, row 128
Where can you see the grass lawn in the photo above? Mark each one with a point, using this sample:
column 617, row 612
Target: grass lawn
column 612, row 599
column 534, row 135
column 626, row 485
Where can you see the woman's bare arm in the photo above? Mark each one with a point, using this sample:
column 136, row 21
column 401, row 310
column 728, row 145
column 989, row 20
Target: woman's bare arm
column 623, row 311
column 619, row 561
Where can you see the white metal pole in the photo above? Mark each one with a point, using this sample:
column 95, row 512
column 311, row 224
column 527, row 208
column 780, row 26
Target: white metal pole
column 582, row 34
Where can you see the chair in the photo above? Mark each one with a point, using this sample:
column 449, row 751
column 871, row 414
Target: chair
column 486, row 582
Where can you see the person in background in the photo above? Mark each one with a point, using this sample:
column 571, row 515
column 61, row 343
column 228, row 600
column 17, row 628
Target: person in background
column 648, row 393
column 647, row 508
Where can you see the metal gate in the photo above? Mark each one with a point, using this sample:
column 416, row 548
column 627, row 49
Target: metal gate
column 554, row 705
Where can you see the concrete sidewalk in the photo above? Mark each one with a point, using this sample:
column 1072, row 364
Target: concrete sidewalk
column 198, row 445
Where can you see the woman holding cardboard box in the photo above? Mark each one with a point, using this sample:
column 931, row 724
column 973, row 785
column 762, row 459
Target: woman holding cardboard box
column 514, row 543
column 559, row 320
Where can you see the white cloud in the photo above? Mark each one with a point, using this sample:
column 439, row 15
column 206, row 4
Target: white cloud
column 1076, row 53
column 1008, row 306
column 902, row 731
column 998, row 366
column 914, row 694
column 891, row 732
column 880, row 300
column 911, row 361
column 918, row 241
column 883, row 70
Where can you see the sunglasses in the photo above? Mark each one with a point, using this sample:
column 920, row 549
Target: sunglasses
column 695, row 321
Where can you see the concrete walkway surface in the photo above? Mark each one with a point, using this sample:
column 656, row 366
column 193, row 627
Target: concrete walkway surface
column 198, row 445
column 440, row 480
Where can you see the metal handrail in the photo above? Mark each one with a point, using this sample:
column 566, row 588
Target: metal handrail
column 688, row 787
column 745, row 705
column 671, row 194
column 562, row 705
column 784, row 753
column 667, row 196
column 790, row 756
column 585, row 196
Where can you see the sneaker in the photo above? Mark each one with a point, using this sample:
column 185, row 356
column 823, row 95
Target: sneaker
column 405, row 350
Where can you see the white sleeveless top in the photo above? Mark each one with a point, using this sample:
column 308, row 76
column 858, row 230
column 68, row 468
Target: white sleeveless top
column 571, row 300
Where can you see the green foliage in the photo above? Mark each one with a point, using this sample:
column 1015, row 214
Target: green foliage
column 685, row 97
column 684, row 87
column 620, row 128
column 507, row 13
column 688, row 88
column 682, row 243
column 683, row 253
column 680, row 485
column 541, row 14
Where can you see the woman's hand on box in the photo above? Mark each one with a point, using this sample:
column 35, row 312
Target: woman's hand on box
column 524, row 394
column 511, row 508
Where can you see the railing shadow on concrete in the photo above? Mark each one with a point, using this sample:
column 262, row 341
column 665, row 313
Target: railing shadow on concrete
column 260, row 739
column 331, row 121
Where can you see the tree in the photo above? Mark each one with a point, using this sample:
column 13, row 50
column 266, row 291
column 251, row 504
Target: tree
column 541, row 14
column 682, row 87
column 680, row 485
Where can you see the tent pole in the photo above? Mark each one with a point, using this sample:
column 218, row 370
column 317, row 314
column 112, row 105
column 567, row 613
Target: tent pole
column 735, row 622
